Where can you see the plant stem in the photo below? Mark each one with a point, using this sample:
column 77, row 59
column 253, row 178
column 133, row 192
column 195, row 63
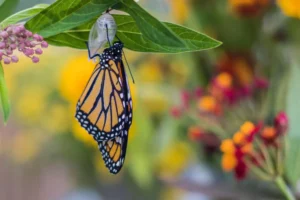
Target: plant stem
column 284, row 188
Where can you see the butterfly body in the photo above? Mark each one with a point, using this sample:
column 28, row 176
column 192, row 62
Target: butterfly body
column 105, row 107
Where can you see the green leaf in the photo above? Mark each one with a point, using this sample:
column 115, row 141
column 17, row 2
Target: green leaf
column 67, row 14
column 7, row 8
column 133, row 39
column 150, row 27
column 4, row 96
column 1, row 2
column 293, row 110
column 292, row 161
column 23, row 15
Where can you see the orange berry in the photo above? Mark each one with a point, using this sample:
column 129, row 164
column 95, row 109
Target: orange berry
column 247, row 127
column 224, row 80
column 229, row 162
column 247, row 148
column 227, row 146
column 207, row 103
column 194, row 133
column 239, row 138
column 268, row 132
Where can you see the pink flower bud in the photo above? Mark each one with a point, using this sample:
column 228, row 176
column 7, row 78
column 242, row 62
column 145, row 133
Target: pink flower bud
column 32, row 44
column 9, row 51
column 28, row 33
column 22, row 28
column 44, row 44
column 281, row 122
column 35, row 59
column 38, row 37
column 16, row 30
column 261, row 83
column 12, row 39
column 35, row 36
column 13, row 46
column 4, row 34
column 29, row 52
column 176, row 112
column 9, row 29
column 27, row 43
column 38, row 51
column 21, row 46
column 185, row 98
column 6, row 60
column 14, row 59
column 17, row 37
column 21, row 40
column 198, row 92
column 2, row 45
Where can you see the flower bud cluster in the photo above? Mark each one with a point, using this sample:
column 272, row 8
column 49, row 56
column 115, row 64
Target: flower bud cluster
column 16, row 37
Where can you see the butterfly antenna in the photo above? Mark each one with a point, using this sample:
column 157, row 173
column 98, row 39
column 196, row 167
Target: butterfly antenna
column 107, row 35
column 128, row 66
column 126, row 61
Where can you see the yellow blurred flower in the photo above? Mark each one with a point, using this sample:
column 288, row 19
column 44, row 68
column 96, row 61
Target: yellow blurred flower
column 57, row 119
column 153, row 99
column 150, row 71
column 75, row 76
column 31, row 103
column 180, row 74
column 179, row 10
column 290, row 8
column 174, row 159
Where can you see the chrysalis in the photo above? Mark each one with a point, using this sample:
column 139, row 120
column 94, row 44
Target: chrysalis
column 105, row 27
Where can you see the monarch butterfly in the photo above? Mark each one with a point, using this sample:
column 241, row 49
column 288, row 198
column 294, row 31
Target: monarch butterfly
column 105, row 106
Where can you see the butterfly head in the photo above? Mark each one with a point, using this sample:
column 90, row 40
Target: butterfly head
column 115, row 49
column 118, row 45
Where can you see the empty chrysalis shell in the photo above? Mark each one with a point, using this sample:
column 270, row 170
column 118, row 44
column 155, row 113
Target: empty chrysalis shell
column 103, row 30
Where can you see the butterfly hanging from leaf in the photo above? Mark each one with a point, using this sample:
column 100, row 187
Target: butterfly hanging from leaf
column 105, row 106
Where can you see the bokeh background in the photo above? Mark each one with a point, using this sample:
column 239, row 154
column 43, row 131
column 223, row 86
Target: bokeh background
column 184, row 105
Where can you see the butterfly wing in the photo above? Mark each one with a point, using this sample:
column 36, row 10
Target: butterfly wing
column 105, row 108
column 101, row 108
column 114, row 151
